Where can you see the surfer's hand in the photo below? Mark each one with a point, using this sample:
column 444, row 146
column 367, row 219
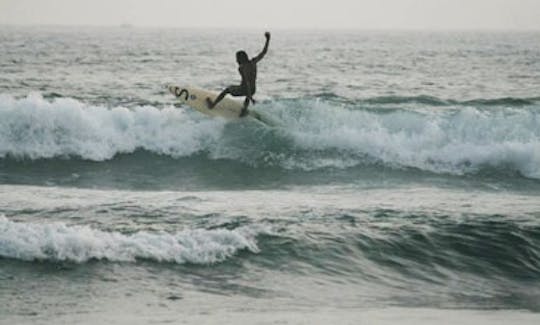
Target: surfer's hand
column 267, row 35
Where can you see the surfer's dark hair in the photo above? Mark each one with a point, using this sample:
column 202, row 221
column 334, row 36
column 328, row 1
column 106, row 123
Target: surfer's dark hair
column 241, row 57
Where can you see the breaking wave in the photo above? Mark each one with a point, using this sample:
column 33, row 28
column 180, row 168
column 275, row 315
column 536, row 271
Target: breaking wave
column 59, row 242
column 312, row 134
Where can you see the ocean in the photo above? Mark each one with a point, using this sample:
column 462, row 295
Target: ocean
column 400, row 186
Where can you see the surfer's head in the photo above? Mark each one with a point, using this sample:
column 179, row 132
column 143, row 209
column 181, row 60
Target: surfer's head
column 241, row 57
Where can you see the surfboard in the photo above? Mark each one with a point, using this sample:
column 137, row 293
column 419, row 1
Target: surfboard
column 227, row 108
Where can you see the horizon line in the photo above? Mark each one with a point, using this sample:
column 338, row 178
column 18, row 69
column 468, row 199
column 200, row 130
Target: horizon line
column 280, row 28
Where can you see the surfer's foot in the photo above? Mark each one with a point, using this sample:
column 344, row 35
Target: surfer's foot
column 209, row 103
column 244, row 112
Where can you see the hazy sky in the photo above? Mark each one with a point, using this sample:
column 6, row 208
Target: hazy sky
column 364, row 14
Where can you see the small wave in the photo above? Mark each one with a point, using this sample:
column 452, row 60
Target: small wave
column 427, row 100
column 425, row 246
column 59, row 242
column 489, row 244
column 505, row 101
column 434, row 101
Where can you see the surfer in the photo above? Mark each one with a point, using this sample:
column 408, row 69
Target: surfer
column 248, row 72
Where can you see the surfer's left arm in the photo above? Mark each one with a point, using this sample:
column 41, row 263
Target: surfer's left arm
column 265, row 49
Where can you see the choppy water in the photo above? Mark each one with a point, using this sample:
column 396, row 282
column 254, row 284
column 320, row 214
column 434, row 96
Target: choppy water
column 402, row 182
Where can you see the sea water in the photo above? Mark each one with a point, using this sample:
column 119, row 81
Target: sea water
column 400, row 186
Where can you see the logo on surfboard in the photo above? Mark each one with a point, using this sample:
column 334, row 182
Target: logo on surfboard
column 179, row 92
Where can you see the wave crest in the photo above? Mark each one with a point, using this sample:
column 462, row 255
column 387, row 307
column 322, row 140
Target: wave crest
column 59, row 242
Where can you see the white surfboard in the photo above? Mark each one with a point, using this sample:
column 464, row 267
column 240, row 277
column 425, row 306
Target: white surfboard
column 227, row 108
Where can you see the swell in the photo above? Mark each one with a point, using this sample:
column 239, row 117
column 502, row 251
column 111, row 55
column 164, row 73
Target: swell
column 369, row 245
column 434, row 101
column 311, row 135
column 473, row 260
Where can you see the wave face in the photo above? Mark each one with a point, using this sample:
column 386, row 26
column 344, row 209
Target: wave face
column 312, row 134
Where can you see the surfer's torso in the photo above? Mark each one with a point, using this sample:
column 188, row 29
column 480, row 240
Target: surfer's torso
column 248, row 71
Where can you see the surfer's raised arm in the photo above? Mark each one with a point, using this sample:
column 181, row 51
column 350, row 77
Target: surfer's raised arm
column 265, row 49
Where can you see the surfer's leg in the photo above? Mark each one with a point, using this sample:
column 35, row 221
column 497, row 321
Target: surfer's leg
column 232, row 90
column 244, row 111
column 218, row 98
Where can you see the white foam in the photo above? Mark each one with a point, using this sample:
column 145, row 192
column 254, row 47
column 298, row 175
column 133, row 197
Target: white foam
column 59, row 242
column 33, row 127
column 454, row 141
